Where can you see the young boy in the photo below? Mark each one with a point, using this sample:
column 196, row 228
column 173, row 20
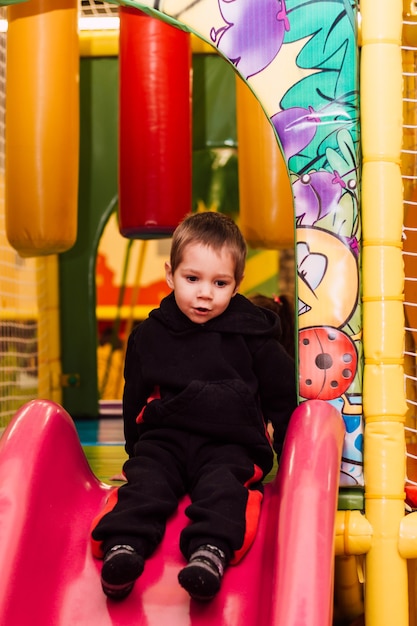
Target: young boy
column 203, row 376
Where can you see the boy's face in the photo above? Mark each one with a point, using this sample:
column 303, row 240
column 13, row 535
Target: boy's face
column 204, row 282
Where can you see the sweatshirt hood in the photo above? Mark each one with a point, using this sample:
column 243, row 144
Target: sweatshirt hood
column 240, row 317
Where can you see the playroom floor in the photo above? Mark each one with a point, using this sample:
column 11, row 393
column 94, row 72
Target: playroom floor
column 103, row 444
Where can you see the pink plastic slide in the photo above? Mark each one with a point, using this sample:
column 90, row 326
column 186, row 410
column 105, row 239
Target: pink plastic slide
column 49, row 496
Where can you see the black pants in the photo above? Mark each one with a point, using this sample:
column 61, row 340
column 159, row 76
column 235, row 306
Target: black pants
column 223, row 483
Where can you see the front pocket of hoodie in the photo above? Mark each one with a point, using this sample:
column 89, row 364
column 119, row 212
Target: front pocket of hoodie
column 215, row 407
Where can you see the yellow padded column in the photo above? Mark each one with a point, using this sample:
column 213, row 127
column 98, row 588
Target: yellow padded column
column 42, row 130
column 386, row 598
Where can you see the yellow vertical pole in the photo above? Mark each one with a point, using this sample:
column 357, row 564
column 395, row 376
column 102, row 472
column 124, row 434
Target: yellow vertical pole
column 412, row 590
column 386, row 598
column 49, row 351
column 348, row 587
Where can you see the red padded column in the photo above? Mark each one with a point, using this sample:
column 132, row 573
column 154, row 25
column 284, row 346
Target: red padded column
column 155, row 147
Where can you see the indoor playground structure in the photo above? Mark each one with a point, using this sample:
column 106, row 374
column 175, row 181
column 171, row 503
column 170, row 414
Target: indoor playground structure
column 326, row 99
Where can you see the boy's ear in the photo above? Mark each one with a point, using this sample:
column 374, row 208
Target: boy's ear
column 168, row 275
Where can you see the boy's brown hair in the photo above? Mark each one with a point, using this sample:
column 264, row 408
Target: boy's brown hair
column 283, row 306
column 211, row 229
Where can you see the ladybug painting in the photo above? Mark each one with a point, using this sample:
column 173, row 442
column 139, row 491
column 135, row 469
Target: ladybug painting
column 328, row 362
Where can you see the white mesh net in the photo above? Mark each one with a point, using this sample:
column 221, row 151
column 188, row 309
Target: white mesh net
column 18, row 315
column 409, row 174
column 89, row 8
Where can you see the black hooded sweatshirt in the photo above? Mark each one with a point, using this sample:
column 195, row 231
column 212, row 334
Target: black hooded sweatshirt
column 224, row 379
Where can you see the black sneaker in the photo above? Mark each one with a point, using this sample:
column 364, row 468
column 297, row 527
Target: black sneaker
column 122, row 565
column 204, row 572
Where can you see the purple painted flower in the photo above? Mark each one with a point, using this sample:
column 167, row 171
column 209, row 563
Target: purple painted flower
column 296, row 128
column 253, row 34
column 316, row 195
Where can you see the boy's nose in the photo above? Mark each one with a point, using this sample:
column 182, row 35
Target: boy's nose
column 205, row 291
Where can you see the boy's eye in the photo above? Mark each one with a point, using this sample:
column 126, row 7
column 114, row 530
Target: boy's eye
column 192, row 279
column 221, row 283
